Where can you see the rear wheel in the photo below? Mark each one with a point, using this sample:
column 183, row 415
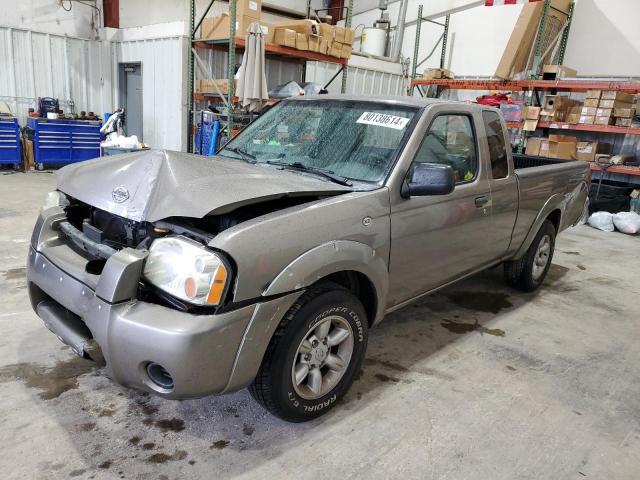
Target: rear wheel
column 314, row 354
column 528, row 272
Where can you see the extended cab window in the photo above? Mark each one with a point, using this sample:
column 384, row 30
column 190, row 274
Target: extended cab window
column 497, row 147
column 451, row 141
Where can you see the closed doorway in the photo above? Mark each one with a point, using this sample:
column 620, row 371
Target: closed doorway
column 131, row 97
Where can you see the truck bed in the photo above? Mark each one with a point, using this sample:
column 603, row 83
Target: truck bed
column 542, row 179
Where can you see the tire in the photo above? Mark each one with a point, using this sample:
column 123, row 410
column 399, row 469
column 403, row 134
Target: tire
column 275, row 387
column 527, row 273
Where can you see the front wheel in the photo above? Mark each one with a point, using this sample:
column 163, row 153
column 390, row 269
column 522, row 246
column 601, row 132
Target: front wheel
column 314, row 354
column 528, row 273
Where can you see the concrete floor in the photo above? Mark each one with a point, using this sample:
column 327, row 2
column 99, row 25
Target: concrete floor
column 475, row 382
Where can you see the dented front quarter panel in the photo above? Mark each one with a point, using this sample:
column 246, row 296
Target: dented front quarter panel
column 265, row 247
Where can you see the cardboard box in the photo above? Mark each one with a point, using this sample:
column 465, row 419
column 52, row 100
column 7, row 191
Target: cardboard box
column 624, row 122
column 285, row 37
column 345, row 51
column 587, row 119
column 615, row 95
column 602, row 158
column 220, row 85
column 623, row 112
column 587, row 150
column 589, row 111
column 325, row 30
column 573, row 115
column 555, row 72
column 249, row 8
column 217, row 28
column 593, row 94
column 614, row 104
column 591, row 102
column 324, row 45
column 557, row 107
column 516, row 54
column 338, row 34
column 562, row 147
column 349, row 36
column 603, row 121
column 435, row 73
column 604, row 112
column 335, row 50
column 530, row 125
column 535, row 145
column 314, row 43
column 308, row 27
column 302, row 41
column 531, row 113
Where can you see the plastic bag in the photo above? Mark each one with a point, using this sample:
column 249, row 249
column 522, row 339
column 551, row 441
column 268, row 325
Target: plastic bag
column 602, row 221
column 627, row 222
column 286, row 90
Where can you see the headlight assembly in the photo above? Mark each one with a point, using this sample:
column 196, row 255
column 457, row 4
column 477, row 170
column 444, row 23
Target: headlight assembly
column 55, row 199
column 186, row 270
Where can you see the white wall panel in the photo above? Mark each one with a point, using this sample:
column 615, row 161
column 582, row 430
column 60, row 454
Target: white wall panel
column 35, row 64
column 163, row 87
column 360, row 80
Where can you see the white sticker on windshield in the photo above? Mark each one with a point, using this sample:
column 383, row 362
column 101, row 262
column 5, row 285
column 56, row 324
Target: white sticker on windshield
column 383, row 120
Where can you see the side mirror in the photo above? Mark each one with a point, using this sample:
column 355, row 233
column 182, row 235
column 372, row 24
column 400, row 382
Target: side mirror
column 429, row 179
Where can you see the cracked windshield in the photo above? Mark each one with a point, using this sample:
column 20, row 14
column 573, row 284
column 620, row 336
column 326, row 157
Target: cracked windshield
column 349, row 140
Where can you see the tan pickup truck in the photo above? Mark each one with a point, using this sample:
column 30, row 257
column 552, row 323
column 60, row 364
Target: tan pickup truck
column 266, row 265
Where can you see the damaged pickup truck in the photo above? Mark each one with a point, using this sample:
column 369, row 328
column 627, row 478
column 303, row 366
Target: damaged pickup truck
column 266, row 265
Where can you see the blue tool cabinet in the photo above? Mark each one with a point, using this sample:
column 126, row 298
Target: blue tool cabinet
column 64, row 141
column 10, row 147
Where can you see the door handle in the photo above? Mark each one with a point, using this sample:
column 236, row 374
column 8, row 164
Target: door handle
column 481, row 201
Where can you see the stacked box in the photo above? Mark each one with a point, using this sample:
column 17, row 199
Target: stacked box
column 590, row 106
column 315, row 37
column 612, row 101
column 556, row 108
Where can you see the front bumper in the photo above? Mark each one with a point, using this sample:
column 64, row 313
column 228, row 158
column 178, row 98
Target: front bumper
column 204, row 354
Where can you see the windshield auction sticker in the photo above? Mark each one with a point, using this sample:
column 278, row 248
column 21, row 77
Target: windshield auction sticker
column 383, row 120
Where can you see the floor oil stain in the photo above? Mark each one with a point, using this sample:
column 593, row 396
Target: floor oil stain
column 571, row 253
column 248, row 430
column 461, row 328
column 390, row 365
column 491, row 302
column 164, row 458
column 386, row 378
column 173, row 424
column 148, row 446
column 219, row 444
column 15, row 274
column 556, row 272
column 582, row 267
column 106, row 464
column 135, row 440
column 52, row 381
column 87, row 427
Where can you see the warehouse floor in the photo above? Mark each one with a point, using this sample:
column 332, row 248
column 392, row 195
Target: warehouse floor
column 475, row 382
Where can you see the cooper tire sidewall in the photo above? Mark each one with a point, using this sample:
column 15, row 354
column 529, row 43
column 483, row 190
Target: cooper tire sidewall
column 334, row 303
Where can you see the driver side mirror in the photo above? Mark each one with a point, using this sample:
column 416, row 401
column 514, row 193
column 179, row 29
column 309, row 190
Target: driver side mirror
column 428, row 179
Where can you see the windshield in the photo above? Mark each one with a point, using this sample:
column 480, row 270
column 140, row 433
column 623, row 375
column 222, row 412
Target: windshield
column 353, row 139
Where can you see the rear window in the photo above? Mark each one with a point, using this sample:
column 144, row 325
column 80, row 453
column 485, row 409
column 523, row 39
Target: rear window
column 497, row 146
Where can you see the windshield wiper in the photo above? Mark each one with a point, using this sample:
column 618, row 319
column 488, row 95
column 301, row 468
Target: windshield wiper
column 245, row 155
column 328, row 174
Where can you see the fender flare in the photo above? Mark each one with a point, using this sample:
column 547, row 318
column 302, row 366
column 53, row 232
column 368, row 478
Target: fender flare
column 333, row 257
column 555, row 202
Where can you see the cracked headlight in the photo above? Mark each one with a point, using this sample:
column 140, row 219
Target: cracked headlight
column 186, row 270
column 55, row 199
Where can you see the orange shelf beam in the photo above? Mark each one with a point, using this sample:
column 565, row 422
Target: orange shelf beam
column 621, row 169
column 582, row 127
column 272, row 49
column 519, row 85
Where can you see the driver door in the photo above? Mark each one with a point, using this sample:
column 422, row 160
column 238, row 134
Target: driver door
column 437, row 239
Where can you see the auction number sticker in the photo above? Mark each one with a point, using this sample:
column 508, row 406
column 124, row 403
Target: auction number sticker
column 383, row 120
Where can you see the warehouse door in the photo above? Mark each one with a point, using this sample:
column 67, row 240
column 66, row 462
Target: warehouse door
column 131, row 78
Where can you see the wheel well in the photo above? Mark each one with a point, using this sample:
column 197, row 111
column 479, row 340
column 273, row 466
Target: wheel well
column 360, row 285
column 554, row 218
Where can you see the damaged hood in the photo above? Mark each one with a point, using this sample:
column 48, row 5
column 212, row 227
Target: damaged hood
column 157, row 184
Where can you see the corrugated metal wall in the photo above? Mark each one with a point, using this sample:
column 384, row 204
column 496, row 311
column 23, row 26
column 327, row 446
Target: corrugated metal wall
column 360, row 81
column 164, row 85
column 44, row 65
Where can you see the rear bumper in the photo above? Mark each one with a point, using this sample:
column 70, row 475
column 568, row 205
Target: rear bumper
column 200, row 352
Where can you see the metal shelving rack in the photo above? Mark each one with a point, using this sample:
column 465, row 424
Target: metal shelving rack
column 235, row 44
